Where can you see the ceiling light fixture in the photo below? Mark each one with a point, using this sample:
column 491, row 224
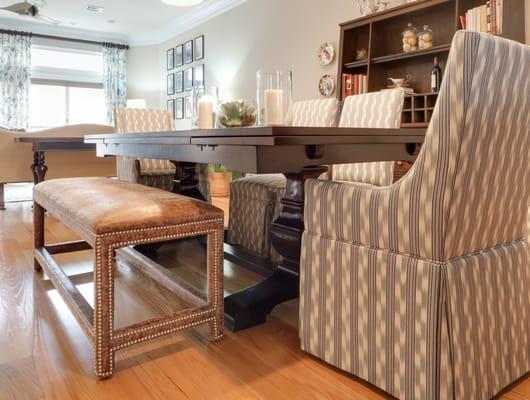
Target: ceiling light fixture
column 182, row 3
column 94, row 9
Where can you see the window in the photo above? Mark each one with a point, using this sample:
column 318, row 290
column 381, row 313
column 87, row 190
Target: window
column 52, row 105
column 66, row 87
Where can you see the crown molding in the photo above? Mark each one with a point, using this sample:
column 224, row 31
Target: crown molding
column 59, row 30
column 184, row 23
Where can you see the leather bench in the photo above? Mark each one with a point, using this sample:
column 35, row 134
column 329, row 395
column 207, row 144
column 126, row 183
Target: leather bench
column 110, row 215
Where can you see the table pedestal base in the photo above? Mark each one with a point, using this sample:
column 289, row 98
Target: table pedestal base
column 251, row 306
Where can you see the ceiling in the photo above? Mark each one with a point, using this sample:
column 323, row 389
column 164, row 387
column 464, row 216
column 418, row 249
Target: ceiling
column 134, row 21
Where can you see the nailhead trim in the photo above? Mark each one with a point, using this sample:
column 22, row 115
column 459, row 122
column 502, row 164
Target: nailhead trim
column 98, row 360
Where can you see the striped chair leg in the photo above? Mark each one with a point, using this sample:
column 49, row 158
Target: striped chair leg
column 103, row 310
column 38, row 231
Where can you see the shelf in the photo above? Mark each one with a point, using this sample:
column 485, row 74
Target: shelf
column 401, row 56
column 355, row 64
column 415, row 125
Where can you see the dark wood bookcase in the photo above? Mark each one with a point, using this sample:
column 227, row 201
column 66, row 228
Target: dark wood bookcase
column 380, row 35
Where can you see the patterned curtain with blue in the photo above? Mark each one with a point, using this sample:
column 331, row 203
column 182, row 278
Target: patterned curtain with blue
column 114, row 78
column 15, row 80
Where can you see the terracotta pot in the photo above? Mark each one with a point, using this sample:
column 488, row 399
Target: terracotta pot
column 220, row 184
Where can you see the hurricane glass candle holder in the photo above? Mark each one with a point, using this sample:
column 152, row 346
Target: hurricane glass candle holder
column 274, row 97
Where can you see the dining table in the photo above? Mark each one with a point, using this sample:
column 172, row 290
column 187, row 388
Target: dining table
column 300, row 153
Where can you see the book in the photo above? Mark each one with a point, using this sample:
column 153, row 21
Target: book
column 355, row 84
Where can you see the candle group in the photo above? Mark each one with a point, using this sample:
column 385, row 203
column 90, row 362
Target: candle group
column 206, row 112
column 274, row 107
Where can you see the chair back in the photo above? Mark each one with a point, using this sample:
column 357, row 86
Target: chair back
column 371, row 110
column 133, row 120
column 317, row 113
column 469, row 189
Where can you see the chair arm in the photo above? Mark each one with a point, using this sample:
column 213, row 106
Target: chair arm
column 354, row 212
column 128, row 169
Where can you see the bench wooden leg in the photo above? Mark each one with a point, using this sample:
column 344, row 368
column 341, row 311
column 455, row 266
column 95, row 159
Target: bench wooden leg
column 103, row 310
column 38, row 231
column 215, row 283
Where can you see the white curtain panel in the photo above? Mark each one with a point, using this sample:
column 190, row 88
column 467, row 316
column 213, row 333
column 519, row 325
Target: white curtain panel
column 114, row 78
column 15, row 80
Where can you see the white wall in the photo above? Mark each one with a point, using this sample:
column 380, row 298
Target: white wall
column 143, row 75
column 258, row 34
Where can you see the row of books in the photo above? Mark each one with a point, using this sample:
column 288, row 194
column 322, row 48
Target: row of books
column 486, row 18
column 354, row 84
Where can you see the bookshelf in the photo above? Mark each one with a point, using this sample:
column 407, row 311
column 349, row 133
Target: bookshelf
column 380, row 35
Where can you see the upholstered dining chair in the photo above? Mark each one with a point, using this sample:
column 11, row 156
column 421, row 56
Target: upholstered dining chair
column 151, row 172
column 422, row 287
column 255, row 199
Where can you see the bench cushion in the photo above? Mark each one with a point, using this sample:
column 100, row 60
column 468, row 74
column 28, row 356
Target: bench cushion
column 99, row 206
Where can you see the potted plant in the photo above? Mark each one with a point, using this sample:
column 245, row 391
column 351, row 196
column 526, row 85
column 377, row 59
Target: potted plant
column 220, row 179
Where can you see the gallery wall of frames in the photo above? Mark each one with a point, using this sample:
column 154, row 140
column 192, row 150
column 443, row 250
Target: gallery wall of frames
column 185, row 70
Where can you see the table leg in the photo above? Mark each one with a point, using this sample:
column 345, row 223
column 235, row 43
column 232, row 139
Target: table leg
column 251, row 306
column 38, row 167
column 186, row 180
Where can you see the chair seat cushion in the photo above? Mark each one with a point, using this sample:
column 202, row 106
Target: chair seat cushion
column 101, row 206
column 264, row 187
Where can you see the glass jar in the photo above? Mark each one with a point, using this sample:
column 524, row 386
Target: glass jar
column 274, row 97
column 425, row 38
column 204, row 105
column 237, row 113
column 410, row 38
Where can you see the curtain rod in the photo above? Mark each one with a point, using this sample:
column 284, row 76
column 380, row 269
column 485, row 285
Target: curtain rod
column 39, row 35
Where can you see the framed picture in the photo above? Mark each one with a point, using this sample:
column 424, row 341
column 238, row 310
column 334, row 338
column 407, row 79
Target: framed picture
column 179, row 108
column 187, row 107
column 170, row 59
column 179, row 81
column 171, row 107
column 198, row 75
column 199, row 47
column 179, row 56
column 188, row 52
column 170, row 84
column 188, row 79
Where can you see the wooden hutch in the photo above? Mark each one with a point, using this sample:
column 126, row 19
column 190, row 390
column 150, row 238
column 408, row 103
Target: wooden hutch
column 380, row 35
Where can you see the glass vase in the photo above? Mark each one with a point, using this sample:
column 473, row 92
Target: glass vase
column 204, row 103
column 274, row 97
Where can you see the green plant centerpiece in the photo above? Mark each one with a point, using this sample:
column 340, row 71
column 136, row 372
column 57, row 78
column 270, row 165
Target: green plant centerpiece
column 237, row 113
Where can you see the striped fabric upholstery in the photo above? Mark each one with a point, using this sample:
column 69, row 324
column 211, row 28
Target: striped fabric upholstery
column 370, row 110
column 151, row 172
column 421, row 288
column 255, row 200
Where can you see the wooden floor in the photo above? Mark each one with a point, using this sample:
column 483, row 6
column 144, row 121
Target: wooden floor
column 44, row 354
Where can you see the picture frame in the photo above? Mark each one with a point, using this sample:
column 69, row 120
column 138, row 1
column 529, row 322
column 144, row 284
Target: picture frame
column 188, row 52
column 198, row 75
column 179, row 56
column 179, row 108
column 179, row 81
column 170, row 84
column 187, row 107
column 188, row 79
column 199, row 48
column 171, row 106
column 170, row 59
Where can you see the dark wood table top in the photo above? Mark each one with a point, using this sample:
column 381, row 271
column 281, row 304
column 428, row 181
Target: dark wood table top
column 56, row 143
column 266, row 149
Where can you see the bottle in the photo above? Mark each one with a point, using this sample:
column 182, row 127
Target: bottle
column 436, row 76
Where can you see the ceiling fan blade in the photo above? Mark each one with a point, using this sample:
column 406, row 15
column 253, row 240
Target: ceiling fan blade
column 17, row 8
column 48, row 20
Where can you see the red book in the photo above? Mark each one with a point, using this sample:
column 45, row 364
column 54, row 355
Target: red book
column 355, row 84
column 349, row 85
column 463, row 21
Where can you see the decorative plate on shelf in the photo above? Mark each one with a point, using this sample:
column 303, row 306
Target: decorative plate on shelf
column 326, row 86
column 326, row 53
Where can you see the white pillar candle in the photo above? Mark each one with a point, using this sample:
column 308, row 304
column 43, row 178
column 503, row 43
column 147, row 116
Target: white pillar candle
column 205, row 110
column 274, row 107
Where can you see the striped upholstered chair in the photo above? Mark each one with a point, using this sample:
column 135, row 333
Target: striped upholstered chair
column 422, row 288
column 150, row 172
column 255, row 199
column 370, row 110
